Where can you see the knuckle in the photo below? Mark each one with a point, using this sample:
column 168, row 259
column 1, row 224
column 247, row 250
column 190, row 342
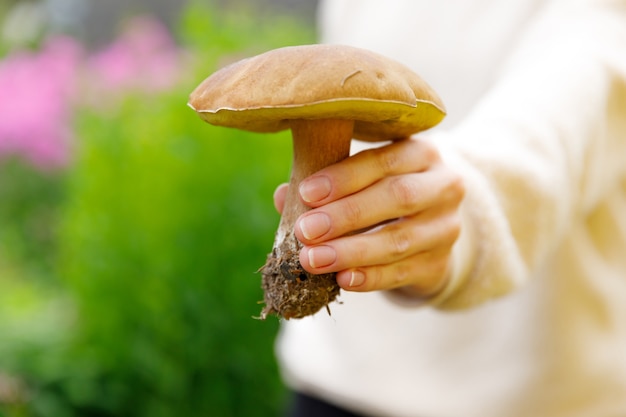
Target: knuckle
column 399, row 241
column 352, row 213
column 453, row 229
column 456, row 187
column 448, row 232
column 359, row 252
column 374, row 278
column 403, row 192
column 402, row 275
column 387, row 161
column 429, row 151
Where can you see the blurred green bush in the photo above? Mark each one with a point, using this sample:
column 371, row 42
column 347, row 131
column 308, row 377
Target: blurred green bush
column 165, row 220
column 29, row 209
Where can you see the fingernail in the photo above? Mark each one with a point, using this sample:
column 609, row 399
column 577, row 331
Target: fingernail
column 357, row 278
column 315, row 189
column 320, row 256
column 314, row 225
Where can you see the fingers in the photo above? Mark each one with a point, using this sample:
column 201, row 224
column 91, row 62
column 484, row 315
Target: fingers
column 389, row 198
column 384, row 218
column 366, row 168
column 420, row 275
column 410, row 251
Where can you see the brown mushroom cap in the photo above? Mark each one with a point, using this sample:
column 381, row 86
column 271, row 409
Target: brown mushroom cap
column 386, row 99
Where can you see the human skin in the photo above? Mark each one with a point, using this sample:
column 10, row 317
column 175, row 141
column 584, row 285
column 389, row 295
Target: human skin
column 383, row 219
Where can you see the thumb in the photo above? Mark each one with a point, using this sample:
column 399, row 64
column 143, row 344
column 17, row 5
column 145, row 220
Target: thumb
column 279, row 197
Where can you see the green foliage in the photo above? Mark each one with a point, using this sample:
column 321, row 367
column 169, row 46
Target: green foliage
column 242, row 29
column 29, row 212
column 170, row 219
column 166, row 221
column 35, row 313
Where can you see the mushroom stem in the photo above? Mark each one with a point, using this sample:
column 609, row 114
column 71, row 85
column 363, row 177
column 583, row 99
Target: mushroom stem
column 316, row 145
column 290, row 291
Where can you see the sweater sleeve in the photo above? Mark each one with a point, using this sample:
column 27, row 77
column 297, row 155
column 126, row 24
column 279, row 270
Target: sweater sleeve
column 540, row 149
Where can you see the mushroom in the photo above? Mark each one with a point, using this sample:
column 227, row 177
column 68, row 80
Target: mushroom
column 326, row 95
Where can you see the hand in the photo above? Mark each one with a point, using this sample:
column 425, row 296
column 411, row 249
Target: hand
column 383, row 219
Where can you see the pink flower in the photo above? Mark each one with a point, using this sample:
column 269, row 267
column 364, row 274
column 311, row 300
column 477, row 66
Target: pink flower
column 40, row 90
column 143, row 58
column 35, row 103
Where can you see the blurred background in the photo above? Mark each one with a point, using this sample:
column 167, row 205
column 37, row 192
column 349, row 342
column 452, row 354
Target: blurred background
column 131, row 231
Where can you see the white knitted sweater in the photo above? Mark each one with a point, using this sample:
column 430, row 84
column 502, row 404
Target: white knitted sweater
column 533, row 323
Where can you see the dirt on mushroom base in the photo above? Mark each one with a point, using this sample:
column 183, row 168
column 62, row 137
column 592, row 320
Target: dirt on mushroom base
column 290, row 291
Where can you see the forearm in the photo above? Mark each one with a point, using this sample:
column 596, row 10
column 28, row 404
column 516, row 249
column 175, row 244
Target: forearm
column 540, row 150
